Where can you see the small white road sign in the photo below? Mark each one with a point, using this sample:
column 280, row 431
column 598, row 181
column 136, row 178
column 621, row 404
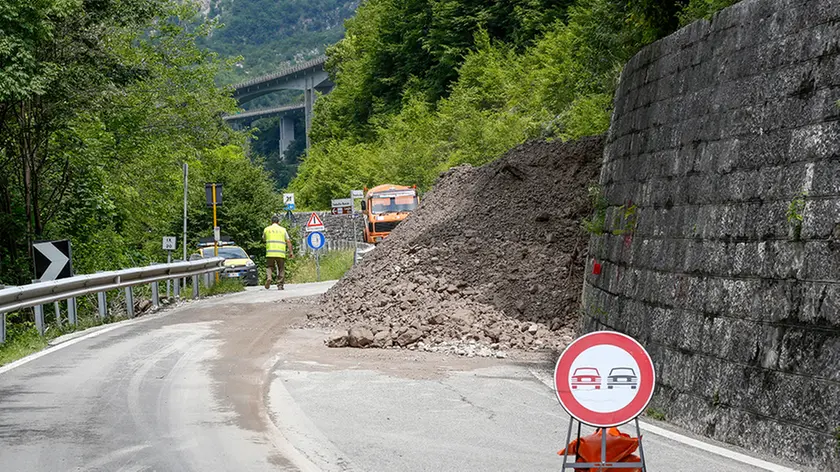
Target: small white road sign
column 357, row 194
column 342, row 202
column 169, row 243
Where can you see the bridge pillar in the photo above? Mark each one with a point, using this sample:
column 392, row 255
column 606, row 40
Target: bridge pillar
column 287, row 133
column 309, row 99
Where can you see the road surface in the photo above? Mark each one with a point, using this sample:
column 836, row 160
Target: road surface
column 224, row 385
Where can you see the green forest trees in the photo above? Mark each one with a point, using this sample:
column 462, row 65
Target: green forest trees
column 423, row 85
column 100, row 104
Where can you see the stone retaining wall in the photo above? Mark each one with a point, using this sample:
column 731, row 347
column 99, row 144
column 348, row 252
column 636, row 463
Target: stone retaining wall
column 724, row 135
column 337, row 227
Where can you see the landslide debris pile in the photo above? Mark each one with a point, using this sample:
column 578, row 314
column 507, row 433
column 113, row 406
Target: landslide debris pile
column 492, row 260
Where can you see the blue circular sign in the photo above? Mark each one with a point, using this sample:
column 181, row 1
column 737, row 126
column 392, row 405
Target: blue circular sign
column 315, row 240
column 290, row 206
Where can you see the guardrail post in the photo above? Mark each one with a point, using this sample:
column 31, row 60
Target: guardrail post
column 71, row 311
column 176, row 287
column 2, row 328
column 103, row 305
column 195, row 286
column 155, row 296
column 129, row 302
column 57, row 313
column 39, row 319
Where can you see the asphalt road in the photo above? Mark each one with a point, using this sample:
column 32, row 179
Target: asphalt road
column 225, row 385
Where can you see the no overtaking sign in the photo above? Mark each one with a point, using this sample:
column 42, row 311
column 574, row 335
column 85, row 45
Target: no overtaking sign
column 604, row 379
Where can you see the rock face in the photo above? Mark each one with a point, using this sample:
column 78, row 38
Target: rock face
column 718, row 130
column 492, row 260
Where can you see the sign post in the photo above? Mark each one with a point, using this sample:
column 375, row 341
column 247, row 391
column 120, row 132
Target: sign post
column 315, row 240
column 214, row 199
column 169, row 245
column 184, row 241
column 355, row 194
column 604, row 379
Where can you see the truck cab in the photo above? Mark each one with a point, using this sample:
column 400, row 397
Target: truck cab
column 386, row 206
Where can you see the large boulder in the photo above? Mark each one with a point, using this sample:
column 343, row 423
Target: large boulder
column 359, row 336
column 410, row 336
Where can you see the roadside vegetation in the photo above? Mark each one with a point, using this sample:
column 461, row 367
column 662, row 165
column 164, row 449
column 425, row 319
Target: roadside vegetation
column 424, row 85
column 100, row 105
column 333, row 266
column 222, row 287
column 23, row 339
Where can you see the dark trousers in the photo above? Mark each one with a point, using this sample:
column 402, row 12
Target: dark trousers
column 280, row 262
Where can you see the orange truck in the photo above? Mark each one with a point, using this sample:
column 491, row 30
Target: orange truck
column 384, row 207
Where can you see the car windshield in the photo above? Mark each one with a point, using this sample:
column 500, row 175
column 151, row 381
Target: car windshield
column 228, row 252
column 586, row 371
column 393, row 204
column 623, row 371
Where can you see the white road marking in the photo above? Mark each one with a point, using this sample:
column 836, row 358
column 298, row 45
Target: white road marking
column 720, row 451
column 297, row 437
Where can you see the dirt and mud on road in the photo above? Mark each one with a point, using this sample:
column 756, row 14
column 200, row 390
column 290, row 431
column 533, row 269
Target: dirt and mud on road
column 492, row 260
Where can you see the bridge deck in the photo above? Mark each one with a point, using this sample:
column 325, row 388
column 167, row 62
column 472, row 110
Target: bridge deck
column 318, row 61
column 265, row 112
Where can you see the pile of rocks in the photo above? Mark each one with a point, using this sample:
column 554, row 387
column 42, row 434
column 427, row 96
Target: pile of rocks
column 492, row 260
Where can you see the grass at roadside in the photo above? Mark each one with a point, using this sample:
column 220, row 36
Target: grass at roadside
column 223, row 286
column 21, row 343
column 22, row 338
column 333, row 266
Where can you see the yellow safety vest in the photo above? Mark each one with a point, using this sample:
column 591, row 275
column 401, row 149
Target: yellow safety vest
column 275, row 241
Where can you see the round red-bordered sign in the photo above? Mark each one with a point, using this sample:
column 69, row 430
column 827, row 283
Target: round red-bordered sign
column 604, row 379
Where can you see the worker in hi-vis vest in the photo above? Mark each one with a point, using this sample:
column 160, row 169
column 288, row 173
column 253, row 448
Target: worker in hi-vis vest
column 277, row 245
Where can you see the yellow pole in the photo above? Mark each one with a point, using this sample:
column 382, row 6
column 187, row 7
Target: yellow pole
column 215, row 224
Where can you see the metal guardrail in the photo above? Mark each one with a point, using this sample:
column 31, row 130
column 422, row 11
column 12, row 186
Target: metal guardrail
column 361, row 250
column 37, row 294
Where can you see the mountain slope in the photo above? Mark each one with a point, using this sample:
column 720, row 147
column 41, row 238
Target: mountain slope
column 270, row 34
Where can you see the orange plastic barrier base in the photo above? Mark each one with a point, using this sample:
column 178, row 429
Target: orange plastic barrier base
column 620, row 448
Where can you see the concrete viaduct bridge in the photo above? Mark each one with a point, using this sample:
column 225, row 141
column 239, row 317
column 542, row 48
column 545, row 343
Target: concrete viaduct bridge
column 310, row 77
